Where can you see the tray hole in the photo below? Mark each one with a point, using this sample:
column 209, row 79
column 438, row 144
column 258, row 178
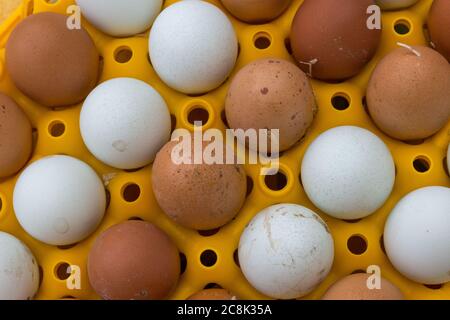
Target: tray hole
column 287, row 45
column 422, row 164
column 173, row 123
column 357, row 271
column 1, row 204
column 208, row 233
column 212, row 286
column 131, row 192
column 382, row 247
column 62, row 271
column 223, row 116
column 67, row 247
column 402, row 27
column 357, row 245
column 352, row 220
column 340, row 101
column 56, row 129
column 250, row 186
column 208, row 258
column 262, row 40
column 276, row 182
column 444, row 162
column 198, row 114
column 236, row 258
column 414, row 142
column 434, row 286
column 41, row 275
column 108, row 199
column 183, row 263
column 135, row 219
column 123, row 54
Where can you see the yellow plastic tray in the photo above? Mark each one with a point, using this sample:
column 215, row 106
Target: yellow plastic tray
column 224, row 243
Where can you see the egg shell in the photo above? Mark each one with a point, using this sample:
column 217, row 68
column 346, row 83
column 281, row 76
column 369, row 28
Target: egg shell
column 133, row 260
column 395, row 4
column 213, row 294
column 59, row 200
column 336, row 34
column 193, row 46
column 272, row 94
column 439, row 26
column 120, row 18
column 124, row 122
column 286, row 251
column 348, row 172
column 198, row 196
column 261, row 11
column 354, row 287
column 417, row 237
column 408, row 96
column 19, row 272
column 15, row 137
column 51, row 64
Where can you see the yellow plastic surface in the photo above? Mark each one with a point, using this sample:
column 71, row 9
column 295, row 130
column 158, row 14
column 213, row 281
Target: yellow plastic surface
column 225, row 272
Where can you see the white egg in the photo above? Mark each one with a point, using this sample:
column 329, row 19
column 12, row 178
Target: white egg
column 59, row 200
column 124, row 122
column 417, row 235
column 286, row 251
column 395, row 4
column 19, row 271
column 348, row 172
column 193, row 46
column 120, row 18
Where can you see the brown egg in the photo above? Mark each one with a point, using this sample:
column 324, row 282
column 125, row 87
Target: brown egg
column 330, row 39
column 213, row 294
column 260, row 11
column 354, row 287
column 272, row 94
column 439, row 26
column 51, row 64
column 133, row 260
column 198, row 196
column 408, row 95
column 15, row 137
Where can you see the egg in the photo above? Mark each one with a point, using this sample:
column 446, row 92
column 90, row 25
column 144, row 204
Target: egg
column 286, row 251
column 51, row 64
column 15, row 137
column 261, row 11
column 117, row 115
column 193, row 46
column 59, row 200
column 133, row 260
column 198, row 196
column 19, row 272
column 348, row 172
column 395, row 4
column 118, row 18
column 330, row 39
column 438, row 26
column 354, row 287
column 213, row 294
column 408, row 95
column 272, row 94
column 416, row 235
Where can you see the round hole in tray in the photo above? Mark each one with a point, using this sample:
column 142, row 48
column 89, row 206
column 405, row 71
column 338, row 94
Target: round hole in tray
column 198, row 114
column 340, row 101
column 208, row 258
column 208, row 233
column 276, row 182
column 249, row 185
column 62, row 271
column 357, row 244
column 422, row 164
column 131, row 192
column 212, row 286
column 434, row 286
column 56, row 128
column 123, row 54
column 236, row 257
column 402, row 27
column 382, row 247
column 183, row 263
column 262, row 40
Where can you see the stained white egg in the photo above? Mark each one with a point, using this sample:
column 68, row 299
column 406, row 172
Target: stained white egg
column 19, row 271
column 286, row 251
column 120, row 18
column 348, row 172
column 395, row 4
column 124, row 122
column 193, row 46
column 417, row 235
column 59, row 200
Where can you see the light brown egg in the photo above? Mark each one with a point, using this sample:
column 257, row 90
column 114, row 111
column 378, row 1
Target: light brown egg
column 198, row 196
column 330, row 39
column 439, row 26
column 213, row 294
column 133, row 260
column 354, row 287
column 408, row 95
column 15, row 137
column 272, row 94
column 256, row 11
column 51, row 64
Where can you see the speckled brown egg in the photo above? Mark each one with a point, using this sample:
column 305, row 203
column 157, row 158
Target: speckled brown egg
column 272, row 94
column 354, row 287
column 133, row 260
column 439, row 26
column 330, row 39
column 213, row 294
column 198, row 196
column 408, row 95
column 15, row 137
column 51, row 64
column 259, row 11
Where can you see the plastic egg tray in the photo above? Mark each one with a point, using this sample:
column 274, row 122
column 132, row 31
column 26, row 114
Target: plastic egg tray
column 210, row 258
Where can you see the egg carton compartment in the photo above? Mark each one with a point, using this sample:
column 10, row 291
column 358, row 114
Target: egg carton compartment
column 209, row 258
